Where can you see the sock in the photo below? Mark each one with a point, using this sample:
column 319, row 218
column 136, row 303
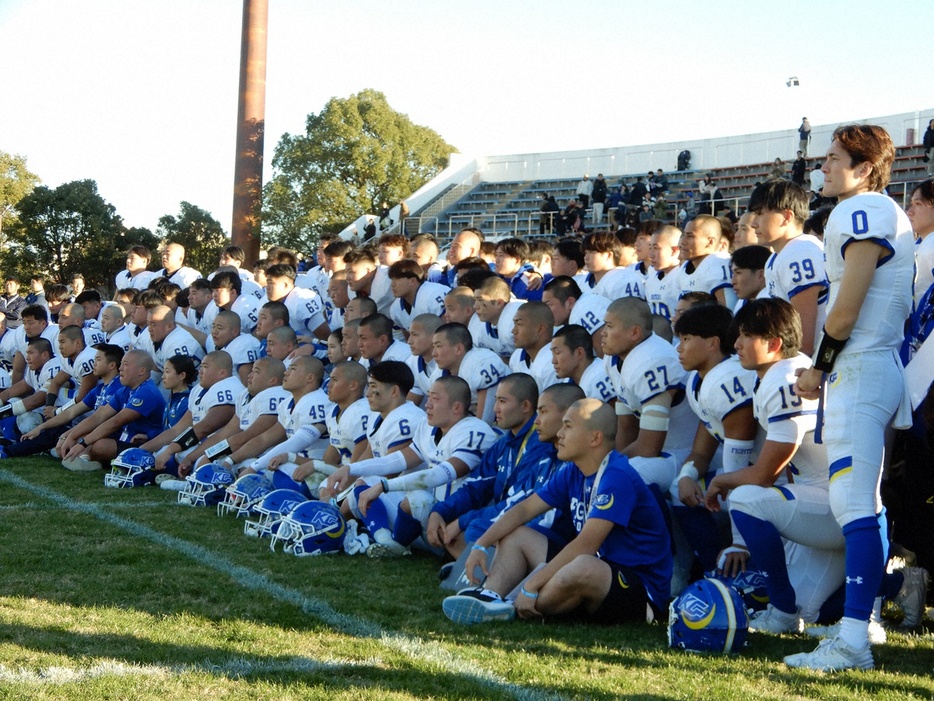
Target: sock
column 865, row 566
column 891, row 585
column 701, row 532
column 376, row 515
column 406, row 529
column 765, row 544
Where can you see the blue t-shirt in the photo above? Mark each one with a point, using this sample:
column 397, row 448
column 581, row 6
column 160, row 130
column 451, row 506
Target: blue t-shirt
column 147, row 400
column 175, row 409
column 102, row 394
column 639, row 539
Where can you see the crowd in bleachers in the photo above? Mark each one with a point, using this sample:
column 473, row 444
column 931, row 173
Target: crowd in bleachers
column 386, row 399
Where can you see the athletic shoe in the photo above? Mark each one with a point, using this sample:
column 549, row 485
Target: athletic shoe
column 385, row 546
column 774, row 621
column 831, row 655
column 173, row 485
column 477, row 606
column 82, row 463
column 877, row 634
column 912, row 596
column 164, row 477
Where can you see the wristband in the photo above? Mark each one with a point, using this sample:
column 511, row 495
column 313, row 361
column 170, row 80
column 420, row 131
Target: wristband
column 688, row 470
column 18, row 407
column 50, row 399
column 226, row 462
column 67, row 405
column 187, row 439
column 385, row 483
column 484, row 550
column 291, row 457
column 82, row 442
column 218, row 450
column 529, row 594
column 827, row 351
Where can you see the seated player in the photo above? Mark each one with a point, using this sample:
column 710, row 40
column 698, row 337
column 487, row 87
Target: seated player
column 617, row 568
column 573, row 360
column 101, row 436
column 450, row 443
column 227, row 293
column 113, row 325
column 26, row 398
column 706, row 267
column 525, row 282
column 76, row 377
column 496, row 311
column 532, row 328
column 454, row 354
column 421, row 362
column 282, row 345
column 35, row 325
column 414, row 295
column 242, row 348
column 571, row 306
column 377, row 343
column 304, row 306
column 662, row 284
column 611, row 273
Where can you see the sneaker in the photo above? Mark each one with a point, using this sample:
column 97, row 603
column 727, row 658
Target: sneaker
column 164, row 477
column 477, row 606
column 385, row 546
column 173, row 485
column 831, row 655
column 82, row 463
column 877, row 634
column 912, row 596
column 774, row 621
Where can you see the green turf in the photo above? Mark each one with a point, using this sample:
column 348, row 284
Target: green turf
column 122, row 594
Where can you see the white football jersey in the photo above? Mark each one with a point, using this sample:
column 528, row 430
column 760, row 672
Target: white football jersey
column 726, row 388
column 183, row 277
column 243, row 350
column 247, row 308
column 596, row 383
column 662, row 291
column 305, row 310
column 924, row 262
column 498, row 338
column 540, row 368
column 82, row 365
column 875, row 217
column 429, row 299
column 177, row 342
column 202, row 400
column 398, row 427
column 202, row 321
column 711, row 274
column 7, row 349
column 93, row 335
column 346, row 429
column 787, row 418
column 37, row 380
column 466, row 440
column 397, row 350
column 589, row 311
column 799, row 266
column 140, row 281
column 621, row 282
column 49, row 333
column 422, row 372
column 267, row 402
column 480, row 368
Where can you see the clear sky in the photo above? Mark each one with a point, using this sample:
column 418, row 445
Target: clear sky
column 141, row 95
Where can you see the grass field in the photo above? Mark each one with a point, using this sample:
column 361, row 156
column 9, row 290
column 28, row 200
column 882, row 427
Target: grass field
column 122, row 594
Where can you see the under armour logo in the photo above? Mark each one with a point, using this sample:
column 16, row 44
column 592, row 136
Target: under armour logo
column 854, row 580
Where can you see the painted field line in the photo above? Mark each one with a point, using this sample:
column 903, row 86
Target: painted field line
column 36, row 506
column 413, row 647
column 234, row 668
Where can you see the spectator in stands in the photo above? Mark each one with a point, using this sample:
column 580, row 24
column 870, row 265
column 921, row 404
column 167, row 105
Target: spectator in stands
column 778, row 169
column 798, row 169
column 804, row 136
column 584, row 191
column 599, row 199
column 817, row 181
column 638, row 192
column 928, row 143
column 570, row 220
column 661, row 181
column 661, row 208
column 616, row 208
column 549, row 209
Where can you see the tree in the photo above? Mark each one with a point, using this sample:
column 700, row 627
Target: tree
column 16, row 181
column 68, row 230
column 201, row 234
column 355, row 154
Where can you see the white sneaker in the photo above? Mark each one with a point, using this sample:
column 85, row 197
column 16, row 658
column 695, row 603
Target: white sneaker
column 912, row 597
column 831, row 655
column 774, row 621
column 82, row 463
column 173, row 485
column 877, row 634
column 385, row 546
column 476, row 606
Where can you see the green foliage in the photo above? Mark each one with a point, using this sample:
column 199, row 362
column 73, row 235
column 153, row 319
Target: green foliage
column 16, row 181
column 64, row 231
column 201, row 234
column 354, row 155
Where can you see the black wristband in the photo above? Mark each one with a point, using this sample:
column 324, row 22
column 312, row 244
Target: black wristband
column 50, row 399
column 187, row 439
column 827, row 351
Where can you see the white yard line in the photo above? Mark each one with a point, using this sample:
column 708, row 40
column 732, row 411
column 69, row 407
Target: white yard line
column 413, row 647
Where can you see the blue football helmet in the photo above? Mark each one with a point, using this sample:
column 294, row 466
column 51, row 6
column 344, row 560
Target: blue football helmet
column 270, row 510
column 750, row 585
column 708, row 616
column 311, row 528
column 243, row 495
column 206, row 485
column 126, row 470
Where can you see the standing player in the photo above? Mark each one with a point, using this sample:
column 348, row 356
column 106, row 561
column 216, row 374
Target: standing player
column 663, row 286
column 481, row 368
column 706, row 268
column 869, row 249
column 531, row 332
column 414, row 295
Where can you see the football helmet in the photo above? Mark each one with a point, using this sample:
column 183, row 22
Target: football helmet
column 270, row 510
column 708, row 616
column 126, row 470
column 311, row 528
column 750, row 585
column 243, row 495
column 206, row 486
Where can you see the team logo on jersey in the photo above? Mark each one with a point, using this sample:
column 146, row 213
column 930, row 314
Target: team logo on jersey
column 622, row 580
column 696, row 613
column 136, row 402
column 604, row 501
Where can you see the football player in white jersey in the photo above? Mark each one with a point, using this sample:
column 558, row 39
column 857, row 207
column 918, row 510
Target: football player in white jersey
column 706, row 268
column 113, row 325
column 450, row 443
column 573, row 359
column 377, row 343
column 747, row 266
column 720, row 393
column 795, row 272
column 76, row 378
column 26, row 398
column 610, row 266
column 421, row 362
column 656, row 424
column 136, row 276
column 571, row 306
column 496, row 312
column 788, row 528
column 413, row 294
column 531, row 333
column 454, row 354
column 173, row 266
column 74, row 315
column 869, row 249
column 201, row 311
column 166, row 339
column 459, row 309
column 227, row 294
column 368, row 279
column 306, row 313
column 567, row 259
column 255, row 412
column 662, row 285
column 921, row 215
column 210, row 406
column 35, row 325
column 243, row 348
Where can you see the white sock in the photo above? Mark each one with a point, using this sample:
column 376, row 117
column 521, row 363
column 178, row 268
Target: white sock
column 854, row 633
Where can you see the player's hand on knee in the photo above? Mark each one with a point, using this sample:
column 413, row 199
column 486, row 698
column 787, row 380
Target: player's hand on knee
column 435, row 533
column 451, row 531
column 477, row 558
column 363, row 501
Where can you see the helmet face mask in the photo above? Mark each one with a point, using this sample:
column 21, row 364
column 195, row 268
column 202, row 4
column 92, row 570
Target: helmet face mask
column 708, row 616
column 311, row 528
column 243, row 495
column 205, row 486
column 270, row 511
column 128, row 468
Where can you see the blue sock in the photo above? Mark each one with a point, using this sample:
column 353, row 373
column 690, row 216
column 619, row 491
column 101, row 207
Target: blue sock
column 865, row 565
column 765, row 545
column 376, row 516
column 701, row 532
column 406, row 528
column 891, row 585
column 831, row 610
